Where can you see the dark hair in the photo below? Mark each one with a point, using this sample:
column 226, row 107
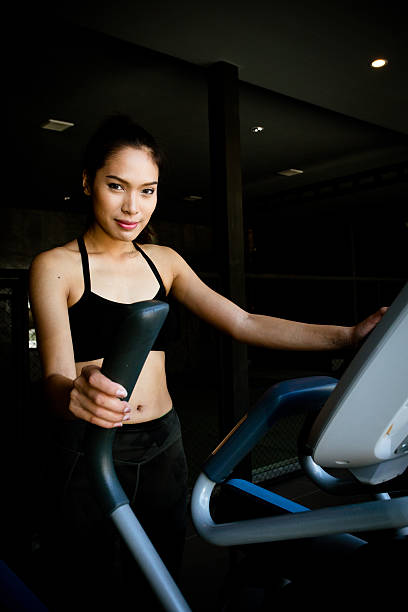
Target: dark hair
column 115, row 132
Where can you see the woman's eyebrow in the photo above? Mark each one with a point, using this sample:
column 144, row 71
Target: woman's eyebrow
column 118, row 178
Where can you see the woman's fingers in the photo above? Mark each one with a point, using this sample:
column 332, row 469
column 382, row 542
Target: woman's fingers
column 105, row 411
column 97, row 396
column 96, row 399
column 361, row 330
column 96, row 379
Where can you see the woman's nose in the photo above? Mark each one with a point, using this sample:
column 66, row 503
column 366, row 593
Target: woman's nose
column 130, row 204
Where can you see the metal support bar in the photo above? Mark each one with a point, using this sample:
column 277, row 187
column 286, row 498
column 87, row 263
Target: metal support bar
column 148, row 559
column 368, row 516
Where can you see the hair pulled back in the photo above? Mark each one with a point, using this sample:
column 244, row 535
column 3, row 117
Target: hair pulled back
column 114, row 133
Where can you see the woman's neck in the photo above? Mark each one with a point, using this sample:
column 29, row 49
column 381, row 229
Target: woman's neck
column 98, row 240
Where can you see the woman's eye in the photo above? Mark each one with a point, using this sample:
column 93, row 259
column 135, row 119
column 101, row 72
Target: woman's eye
column 115, row 186
column 148, row 191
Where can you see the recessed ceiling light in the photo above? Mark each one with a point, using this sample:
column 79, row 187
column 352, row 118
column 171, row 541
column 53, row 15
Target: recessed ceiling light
column 257, row 129
column 290, row 172
column 56, row 125
column 192, row 198
column 379, row 63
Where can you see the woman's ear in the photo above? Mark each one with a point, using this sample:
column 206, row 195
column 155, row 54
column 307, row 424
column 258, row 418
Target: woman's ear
column 85, row 184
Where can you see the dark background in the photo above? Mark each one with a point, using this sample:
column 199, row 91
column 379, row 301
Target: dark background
column 328, row 245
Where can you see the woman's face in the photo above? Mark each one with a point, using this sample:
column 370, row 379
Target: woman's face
column 124, row 192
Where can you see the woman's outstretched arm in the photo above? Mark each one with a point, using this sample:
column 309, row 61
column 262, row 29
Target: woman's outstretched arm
column 261, row 330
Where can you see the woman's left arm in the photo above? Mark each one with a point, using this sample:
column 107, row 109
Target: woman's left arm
column 261, row 330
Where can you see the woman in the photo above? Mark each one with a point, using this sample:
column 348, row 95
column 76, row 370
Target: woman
column 78, row 293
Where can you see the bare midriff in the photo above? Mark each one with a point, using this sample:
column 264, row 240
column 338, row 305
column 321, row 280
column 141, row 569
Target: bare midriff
column 150, row 398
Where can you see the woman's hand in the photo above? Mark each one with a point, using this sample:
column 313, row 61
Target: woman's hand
column 97, row 399
column 360, row 331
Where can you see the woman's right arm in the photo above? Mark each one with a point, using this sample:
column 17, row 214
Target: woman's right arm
column 90, row 396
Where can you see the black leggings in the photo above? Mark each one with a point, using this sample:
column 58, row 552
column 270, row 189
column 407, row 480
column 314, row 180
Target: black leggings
column 87, row 564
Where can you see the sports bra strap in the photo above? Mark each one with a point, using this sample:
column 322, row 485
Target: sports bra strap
column 85, row 263
column 152, row 267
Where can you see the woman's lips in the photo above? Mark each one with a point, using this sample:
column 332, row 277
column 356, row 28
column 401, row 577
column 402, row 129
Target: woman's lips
column 126, row 225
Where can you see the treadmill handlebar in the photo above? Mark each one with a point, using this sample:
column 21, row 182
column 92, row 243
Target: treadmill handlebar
column 290, row 396
column 133, row 342
column 130, row 347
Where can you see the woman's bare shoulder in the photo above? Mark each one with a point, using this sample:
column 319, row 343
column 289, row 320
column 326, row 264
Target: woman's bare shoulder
column 156, row 248
column 58, row 263
column 159, row 250
column 164, row 255
column 57, row 256
column 167, row 261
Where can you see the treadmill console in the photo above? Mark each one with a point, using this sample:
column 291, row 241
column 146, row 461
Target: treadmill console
column 364, row 424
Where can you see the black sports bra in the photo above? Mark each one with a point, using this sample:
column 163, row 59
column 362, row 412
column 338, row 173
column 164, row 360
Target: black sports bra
column 94, row 319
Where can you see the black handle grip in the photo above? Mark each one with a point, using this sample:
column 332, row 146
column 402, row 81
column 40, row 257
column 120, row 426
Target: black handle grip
column 131, row 345
column 133, row 342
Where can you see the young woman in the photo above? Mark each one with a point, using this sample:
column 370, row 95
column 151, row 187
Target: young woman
column 78, row 293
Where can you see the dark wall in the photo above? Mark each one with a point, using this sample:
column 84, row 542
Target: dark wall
column 323, row 263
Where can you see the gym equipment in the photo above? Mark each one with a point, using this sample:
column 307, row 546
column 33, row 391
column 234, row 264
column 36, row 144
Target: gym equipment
column 383, row 358
column 357, row 429
column 369, row 407
column 373, row 396
column 131, row 346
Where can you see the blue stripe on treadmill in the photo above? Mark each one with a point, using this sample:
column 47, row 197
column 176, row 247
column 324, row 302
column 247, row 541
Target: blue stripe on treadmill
column 268, row 496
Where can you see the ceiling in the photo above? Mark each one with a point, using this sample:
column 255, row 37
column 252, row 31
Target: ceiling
column 305, row 77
